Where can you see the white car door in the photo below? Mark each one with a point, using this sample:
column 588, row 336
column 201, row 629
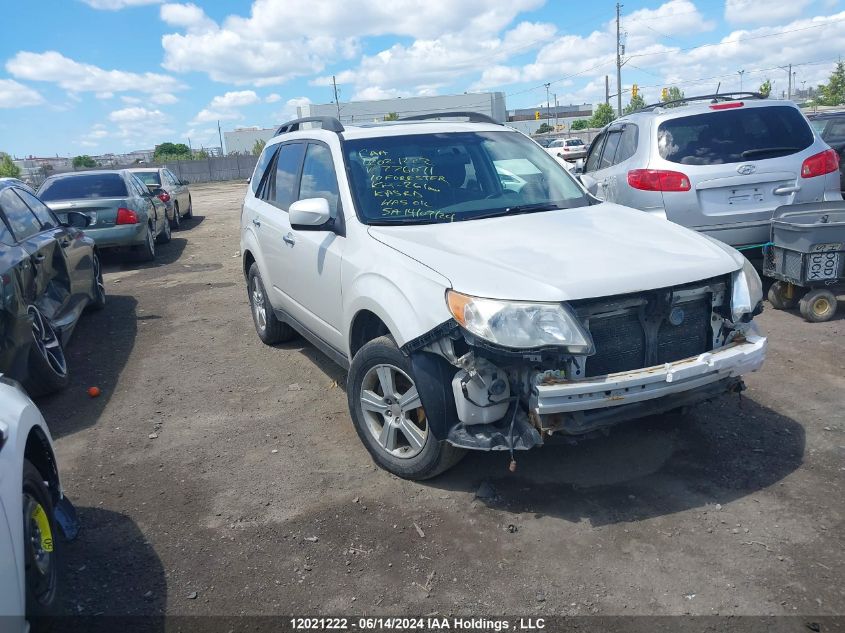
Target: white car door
column 271, row 225
column 598, row 167
column 315, row 284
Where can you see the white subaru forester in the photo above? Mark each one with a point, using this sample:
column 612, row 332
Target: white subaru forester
column 478, row 295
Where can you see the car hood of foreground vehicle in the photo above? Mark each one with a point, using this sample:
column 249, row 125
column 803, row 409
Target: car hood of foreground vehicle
column 594, row 251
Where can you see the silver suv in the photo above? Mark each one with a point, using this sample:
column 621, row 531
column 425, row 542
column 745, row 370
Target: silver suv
column 719, row 164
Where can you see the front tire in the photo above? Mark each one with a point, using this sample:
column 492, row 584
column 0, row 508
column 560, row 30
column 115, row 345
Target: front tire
column 47, row 364
column 40, row 545
column 389, row 417
column 269, row 329
column 782, row 296
column 176, row 221
column 147, row 250
column 818, row 305
column 99, row 301
column 166, row 232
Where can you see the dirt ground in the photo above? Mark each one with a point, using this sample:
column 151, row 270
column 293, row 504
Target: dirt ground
column 216, row 475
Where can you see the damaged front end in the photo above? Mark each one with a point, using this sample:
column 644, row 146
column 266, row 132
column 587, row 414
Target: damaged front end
column 619, row 358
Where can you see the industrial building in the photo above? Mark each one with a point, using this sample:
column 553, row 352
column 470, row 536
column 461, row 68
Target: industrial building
column 490, row 103
column 559, row 117
column 241, row 140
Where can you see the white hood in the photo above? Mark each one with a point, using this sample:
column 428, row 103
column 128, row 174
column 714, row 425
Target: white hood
column 595, row 251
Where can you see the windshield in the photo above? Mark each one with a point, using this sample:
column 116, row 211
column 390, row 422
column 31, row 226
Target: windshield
column 148, row 177
column 83, row 186
column 450, row 177
column 733, row 136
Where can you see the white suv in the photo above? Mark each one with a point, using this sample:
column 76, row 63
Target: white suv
column 478, row 295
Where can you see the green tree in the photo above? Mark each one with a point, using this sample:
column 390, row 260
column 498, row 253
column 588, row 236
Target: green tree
column 83, row 161
column 259, row 146
column 201, row 155
column 544, row 128
column 391, row 116
column 579, row 124
column 673, row 94
column 635, row 104
column 765, row 88
column 602, row 116
column 171, row 151
column 833, row 92
column 8, row 169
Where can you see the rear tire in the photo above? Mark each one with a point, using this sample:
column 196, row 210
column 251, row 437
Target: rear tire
column 779, row 296
column 147, row 250
column 269, row 329
column 393, row 428
column 190, row 212
column 818, row 305
column 166, row 233
column 176, row 222
column 99, row 301
column 41, row 542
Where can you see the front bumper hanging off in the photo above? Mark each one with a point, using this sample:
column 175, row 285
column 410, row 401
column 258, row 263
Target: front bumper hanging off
column 579, row 406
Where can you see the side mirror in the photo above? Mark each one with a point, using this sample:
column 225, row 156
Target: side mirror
column 309, row 214
column 77, row 220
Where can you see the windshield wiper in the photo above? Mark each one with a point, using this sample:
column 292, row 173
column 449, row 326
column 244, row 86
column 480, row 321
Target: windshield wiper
column 767, row 150
column 517, row 209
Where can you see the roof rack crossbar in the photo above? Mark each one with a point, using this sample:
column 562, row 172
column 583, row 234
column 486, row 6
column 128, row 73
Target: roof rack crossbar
column 329, row 123
column 721, row 96
column 474, row 117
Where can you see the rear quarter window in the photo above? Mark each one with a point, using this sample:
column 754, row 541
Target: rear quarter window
column 83, row 186
column 733, row 136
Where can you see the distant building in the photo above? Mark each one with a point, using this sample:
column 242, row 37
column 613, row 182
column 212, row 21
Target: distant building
column 490, row 103
column 560, row 117
column 242, row 140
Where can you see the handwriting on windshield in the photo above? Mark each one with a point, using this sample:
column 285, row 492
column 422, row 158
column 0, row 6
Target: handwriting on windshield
column 406, row 187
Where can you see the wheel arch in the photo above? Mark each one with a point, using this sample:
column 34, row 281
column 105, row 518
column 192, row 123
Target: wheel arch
column 366, row 326
column 39, row 453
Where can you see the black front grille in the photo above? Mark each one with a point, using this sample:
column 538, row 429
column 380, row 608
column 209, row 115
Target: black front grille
column 645, row 330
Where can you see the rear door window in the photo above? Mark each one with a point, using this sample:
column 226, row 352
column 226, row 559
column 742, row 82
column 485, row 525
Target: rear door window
column 627, row 143
column 83, row 186
column 261, row 166
column 22, row 221
column 610, row 146
column 734, row 135
column 148, row 177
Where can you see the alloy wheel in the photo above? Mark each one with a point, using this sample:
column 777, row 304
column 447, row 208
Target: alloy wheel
column 98, row 279
column 258, row 306
column 47, row 342
column 393, row 411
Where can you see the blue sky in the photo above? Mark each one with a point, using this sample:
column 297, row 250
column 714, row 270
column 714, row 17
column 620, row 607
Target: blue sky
column 95, row 76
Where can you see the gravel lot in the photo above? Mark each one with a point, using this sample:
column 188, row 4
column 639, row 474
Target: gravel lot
column 216, row 475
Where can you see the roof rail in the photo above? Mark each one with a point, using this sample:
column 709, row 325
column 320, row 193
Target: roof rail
column 474, row 117
column 720, row 96
column 327, row 122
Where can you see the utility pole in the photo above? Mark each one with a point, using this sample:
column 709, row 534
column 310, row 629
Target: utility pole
column 548, row 105
column 618, row 61
column 336, row 102
column 740, row 73
column 788, row 69
column 220, row 134
column 555, row 111
column 607, row 90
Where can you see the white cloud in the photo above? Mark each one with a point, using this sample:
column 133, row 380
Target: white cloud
column 114, row 5
column 188, row 16
column 282, row 39
column 130, row 100
column 224, row 107
column 762, row 12
column 15, row 95
column 137, row 123
column 104, row 95
column 163, row 98
column 289, row 111
column 272, row 98
column 77, row 77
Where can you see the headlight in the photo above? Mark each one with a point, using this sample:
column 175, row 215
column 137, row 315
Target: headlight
column 518, row 324
column 747, row 291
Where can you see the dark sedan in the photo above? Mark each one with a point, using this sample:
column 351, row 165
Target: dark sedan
column 49, row 273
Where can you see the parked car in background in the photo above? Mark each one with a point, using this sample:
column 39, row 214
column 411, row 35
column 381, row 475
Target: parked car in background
column 719, row 164
column 831, row 127
column 123, row 213
column 49, row 273
column 478, row 296
column 33, row 511
column 567, row 148
column 170, row 189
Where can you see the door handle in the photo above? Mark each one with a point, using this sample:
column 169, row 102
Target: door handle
column 289, row 239
column 256, row 222
column 786, row 189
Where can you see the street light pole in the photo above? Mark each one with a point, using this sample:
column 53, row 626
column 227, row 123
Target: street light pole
column 618, row 61
column 548, row 104
column 740, row 73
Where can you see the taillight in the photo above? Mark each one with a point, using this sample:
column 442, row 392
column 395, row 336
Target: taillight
column 658, row 180
column 820, row 164
column 126, row 216
column 164, row 196
column 727, row 106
